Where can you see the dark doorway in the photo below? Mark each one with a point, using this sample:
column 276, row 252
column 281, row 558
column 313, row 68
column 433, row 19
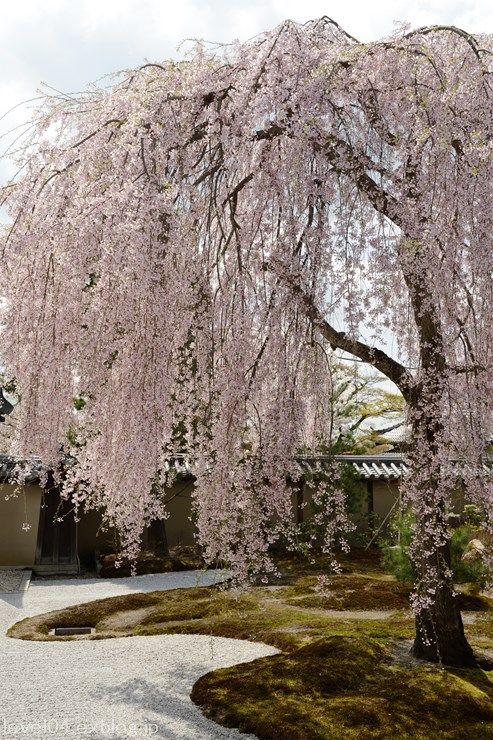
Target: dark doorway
column 57, row 534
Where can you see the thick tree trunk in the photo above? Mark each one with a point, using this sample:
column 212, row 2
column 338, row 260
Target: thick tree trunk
column 439, row 628
column 440, row 634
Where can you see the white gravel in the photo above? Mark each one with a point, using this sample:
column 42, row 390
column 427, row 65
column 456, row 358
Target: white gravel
column 135, row 687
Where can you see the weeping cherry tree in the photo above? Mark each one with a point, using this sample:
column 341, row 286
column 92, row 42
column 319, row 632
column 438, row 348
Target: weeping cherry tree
column 190, row 244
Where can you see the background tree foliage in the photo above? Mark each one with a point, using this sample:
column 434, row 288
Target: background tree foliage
column 361, row 412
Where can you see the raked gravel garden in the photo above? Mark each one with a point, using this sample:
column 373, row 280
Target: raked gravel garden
column 119, row 688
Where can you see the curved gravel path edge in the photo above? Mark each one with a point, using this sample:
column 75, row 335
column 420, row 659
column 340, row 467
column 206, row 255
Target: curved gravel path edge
column 134, row 687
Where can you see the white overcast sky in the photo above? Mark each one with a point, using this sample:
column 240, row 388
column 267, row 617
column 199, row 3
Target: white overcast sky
column 68, row 44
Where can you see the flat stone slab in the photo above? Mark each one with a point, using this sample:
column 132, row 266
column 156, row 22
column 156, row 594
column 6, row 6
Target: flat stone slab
column 14, row 580
column 70, row 631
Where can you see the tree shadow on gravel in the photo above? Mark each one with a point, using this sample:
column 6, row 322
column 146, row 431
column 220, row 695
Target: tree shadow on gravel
column 163, row 711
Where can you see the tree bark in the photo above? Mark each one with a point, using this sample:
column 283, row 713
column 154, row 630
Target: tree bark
column 440, row 634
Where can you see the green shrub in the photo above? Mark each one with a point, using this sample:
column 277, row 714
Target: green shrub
column 465, row 571
column 395, row 547
column 395, row 551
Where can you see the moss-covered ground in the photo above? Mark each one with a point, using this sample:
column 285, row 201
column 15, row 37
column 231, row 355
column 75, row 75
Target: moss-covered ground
column 337, row 677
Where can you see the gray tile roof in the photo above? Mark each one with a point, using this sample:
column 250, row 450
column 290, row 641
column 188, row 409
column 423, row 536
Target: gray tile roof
column 390, row 466
column 8, row 465
column 367, row 467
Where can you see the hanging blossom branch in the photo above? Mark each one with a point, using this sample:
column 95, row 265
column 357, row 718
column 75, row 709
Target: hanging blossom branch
column 392, row 369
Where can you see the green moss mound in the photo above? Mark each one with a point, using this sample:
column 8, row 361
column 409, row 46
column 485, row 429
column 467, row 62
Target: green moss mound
column 350, row 592
column 342, row 688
